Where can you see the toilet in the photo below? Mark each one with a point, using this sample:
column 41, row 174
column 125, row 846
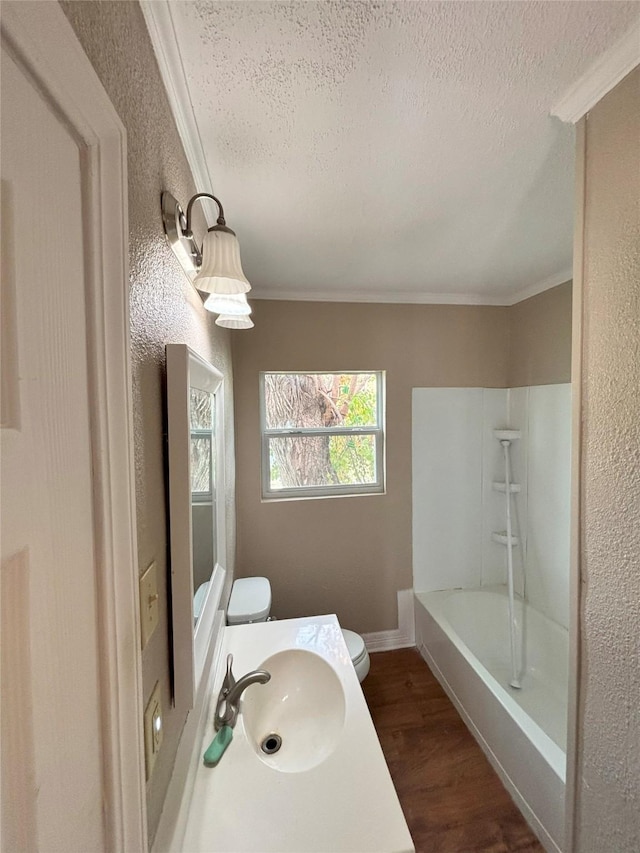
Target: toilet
column 251, row 602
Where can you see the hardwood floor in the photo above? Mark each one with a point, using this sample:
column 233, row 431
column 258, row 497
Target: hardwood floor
column 451, row 797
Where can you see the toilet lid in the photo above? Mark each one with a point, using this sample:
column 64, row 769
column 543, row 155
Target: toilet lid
column 250, row 600
column 355, row 644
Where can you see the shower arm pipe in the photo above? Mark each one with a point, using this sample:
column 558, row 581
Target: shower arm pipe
column 515, row 674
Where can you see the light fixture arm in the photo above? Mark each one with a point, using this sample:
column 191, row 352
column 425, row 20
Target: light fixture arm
column 220, row 221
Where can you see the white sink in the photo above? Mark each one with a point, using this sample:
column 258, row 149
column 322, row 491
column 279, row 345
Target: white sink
column 326, row 788
column 303, row 705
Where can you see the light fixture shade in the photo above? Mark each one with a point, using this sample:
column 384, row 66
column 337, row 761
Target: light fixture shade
column 230, row 321
column 234, row 304
column 221, row 270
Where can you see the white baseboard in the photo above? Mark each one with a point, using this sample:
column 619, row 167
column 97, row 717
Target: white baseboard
column 402, row 637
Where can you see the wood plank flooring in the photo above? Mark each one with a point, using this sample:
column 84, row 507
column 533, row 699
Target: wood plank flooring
column 451, row 797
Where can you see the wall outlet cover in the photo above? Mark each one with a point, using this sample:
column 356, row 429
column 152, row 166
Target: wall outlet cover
column 148, row 603
column 153, row 726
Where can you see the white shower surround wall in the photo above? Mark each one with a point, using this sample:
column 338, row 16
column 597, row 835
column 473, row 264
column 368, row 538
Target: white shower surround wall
column 456, row 458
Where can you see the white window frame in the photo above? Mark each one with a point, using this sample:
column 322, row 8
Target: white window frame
column 210, row 434
column 349, row 490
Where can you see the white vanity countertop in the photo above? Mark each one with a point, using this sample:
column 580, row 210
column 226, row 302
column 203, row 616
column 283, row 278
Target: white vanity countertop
column 345, row 803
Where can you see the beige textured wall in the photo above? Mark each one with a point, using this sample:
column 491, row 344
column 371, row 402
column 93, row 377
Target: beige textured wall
column 338, row 555
column 164, row 308
column 540, row 338
column 608, row 796
column 350, row 555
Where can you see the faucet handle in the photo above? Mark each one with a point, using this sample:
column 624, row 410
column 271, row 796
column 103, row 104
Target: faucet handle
column 222, row 714
column 229, row 680
column 228, row 703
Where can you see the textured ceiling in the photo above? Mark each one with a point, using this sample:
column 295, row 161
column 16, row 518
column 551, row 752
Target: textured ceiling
column 393, row 150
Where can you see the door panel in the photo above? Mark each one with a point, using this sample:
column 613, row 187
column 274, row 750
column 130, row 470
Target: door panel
column 52, row 774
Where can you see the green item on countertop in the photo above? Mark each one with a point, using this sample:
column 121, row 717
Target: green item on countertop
column 218, row 746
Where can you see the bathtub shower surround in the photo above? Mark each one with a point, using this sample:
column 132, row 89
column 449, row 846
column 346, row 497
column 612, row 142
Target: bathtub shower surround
column 459, row 510
column 456, row 508
column 464, row 637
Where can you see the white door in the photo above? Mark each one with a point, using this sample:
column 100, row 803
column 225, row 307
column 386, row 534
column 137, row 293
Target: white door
column 57, row 758
column 51, row 751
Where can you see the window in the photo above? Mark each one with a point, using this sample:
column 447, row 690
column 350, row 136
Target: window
column 322, row 434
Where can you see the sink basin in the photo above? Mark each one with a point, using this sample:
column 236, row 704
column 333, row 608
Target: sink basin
column 303, row 705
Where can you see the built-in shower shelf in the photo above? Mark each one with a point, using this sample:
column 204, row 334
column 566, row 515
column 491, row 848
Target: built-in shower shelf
column 503, row 539
column 514, row 488
column 507, row 434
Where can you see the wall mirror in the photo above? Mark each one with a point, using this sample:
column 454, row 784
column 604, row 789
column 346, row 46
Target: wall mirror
column 195, row 427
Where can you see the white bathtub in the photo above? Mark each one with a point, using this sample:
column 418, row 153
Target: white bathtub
column 463, row 636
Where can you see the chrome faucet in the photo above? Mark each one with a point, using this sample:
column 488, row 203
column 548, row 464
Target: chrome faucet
column 228, row 705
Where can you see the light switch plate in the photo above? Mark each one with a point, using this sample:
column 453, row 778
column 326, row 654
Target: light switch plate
column 153, row 725
column 148, row 603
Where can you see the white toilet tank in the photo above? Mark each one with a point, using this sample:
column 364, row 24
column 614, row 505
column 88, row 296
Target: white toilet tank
column 250, row 601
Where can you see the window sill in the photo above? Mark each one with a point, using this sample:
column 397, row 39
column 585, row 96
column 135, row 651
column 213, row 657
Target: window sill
column 280, row 499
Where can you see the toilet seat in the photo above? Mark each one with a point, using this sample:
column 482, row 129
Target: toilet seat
column 198, row 599
column 355, row 645
column 357, row 652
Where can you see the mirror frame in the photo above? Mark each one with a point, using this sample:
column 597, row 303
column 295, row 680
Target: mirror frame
column 186, row 369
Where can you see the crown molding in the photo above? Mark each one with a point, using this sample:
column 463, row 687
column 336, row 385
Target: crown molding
column 388, row 297
column 600, row 78
column 157, row 15
column 411, row 298
column 540, row 286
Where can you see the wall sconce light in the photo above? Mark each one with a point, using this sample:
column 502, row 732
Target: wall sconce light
column 231, row 321
column 233, row 309
column 216, row 265
column 234, row 304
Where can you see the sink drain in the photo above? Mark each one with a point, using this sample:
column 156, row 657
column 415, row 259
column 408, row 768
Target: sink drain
column 271, row 743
